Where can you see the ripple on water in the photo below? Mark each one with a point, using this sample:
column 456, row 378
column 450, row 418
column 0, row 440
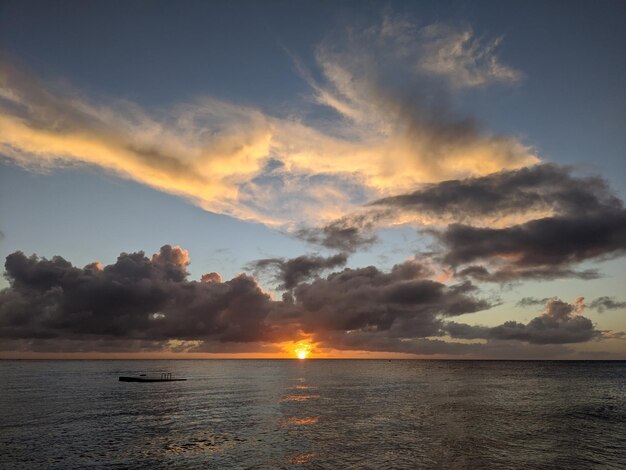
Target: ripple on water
column 299, row 397
column 299, row 459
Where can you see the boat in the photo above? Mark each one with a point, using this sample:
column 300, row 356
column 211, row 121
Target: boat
column 164, row 377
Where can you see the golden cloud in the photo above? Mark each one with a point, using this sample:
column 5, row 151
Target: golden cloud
column 221, row 155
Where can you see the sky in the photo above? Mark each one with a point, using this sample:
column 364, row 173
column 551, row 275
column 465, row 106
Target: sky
column 330, row 179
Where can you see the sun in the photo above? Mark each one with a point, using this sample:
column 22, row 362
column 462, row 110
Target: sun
column 302, row 349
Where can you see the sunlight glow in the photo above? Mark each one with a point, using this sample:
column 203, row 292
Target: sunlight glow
column 303, row 349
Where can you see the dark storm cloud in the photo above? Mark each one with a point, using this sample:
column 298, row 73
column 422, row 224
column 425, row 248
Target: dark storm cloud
column 550, row 241
column 561, row 323
column 142, row 303
column 291, row 272
column 601, row 304
column 148, row 301
column 587, row 222
column 135, row 298
column 547, row 221
column 400, row 302
column 540, row 248
column 539, row 187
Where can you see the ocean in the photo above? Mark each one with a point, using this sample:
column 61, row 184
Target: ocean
column 334, row 414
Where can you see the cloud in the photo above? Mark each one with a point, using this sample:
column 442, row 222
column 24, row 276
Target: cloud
column 347, row 234
column 386, row 133
column 491, row 349
column 201, row 151
column 378, row 80
column 291, row 272
column 532, row 301
column 458, row 56
column 150, row 303
column 561, row 323
column 562, row 220
column 537, row 222
column 504, row 198
column 601, row 304
column 542, row 248
column 136, row 298
column 507, row 274
column 498, row 200
column 147, row 303
column 399, row 303
column 440, row 50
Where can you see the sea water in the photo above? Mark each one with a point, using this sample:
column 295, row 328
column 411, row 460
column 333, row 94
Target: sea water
column 314, row 414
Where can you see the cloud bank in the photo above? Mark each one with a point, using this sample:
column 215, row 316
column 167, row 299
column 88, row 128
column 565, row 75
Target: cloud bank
column 142, row 303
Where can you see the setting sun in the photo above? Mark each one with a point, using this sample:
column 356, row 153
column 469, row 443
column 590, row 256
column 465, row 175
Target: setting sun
column 302, row 349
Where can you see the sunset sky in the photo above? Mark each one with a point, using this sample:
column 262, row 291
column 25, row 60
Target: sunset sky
column 337, row 179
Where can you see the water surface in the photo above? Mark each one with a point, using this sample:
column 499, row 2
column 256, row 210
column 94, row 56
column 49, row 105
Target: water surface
column 314, row 414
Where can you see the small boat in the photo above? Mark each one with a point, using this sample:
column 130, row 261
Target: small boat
column 164, row 377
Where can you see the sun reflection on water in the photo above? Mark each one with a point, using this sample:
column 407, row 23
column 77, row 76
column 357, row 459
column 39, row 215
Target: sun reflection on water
column 301, row 421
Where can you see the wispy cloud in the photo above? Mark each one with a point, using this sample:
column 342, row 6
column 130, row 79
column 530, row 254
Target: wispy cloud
column 463, row 59
column 602, row 304
column 387, row 136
